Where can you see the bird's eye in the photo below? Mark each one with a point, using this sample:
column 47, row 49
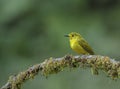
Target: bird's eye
column 72, row 35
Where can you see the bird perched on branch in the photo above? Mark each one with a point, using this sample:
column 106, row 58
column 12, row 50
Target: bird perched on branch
column 78, row 44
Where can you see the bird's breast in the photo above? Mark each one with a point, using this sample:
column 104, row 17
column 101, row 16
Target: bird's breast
column 76, row 46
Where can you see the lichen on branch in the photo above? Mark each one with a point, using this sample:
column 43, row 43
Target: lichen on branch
column 55, row 65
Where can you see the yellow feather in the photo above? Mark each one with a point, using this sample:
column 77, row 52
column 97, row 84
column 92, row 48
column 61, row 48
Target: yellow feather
column 78, row 44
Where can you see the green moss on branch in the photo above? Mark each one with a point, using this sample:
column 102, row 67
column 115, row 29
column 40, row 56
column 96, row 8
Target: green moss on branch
column 55, row 65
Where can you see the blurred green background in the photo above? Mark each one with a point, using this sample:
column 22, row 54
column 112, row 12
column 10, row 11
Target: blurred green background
column 33, row 30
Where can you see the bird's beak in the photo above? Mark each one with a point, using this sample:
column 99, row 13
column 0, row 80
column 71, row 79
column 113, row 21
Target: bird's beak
column 66, row 35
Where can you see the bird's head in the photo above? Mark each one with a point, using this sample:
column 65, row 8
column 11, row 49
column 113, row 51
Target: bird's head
column 73, row 35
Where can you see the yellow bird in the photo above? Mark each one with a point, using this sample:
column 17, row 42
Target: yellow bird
column 78, row 44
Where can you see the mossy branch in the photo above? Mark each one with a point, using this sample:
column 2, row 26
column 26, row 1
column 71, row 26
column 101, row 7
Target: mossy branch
column 55, row 65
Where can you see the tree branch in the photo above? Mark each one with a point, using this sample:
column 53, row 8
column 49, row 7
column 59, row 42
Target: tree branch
column 55, row 65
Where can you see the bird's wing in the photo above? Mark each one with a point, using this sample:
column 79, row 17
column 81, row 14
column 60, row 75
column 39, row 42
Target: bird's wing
column 86, row 46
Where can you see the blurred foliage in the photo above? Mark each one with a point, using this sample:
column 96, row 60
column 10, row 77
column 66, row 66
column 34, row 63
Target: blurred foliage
column 31, row 30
